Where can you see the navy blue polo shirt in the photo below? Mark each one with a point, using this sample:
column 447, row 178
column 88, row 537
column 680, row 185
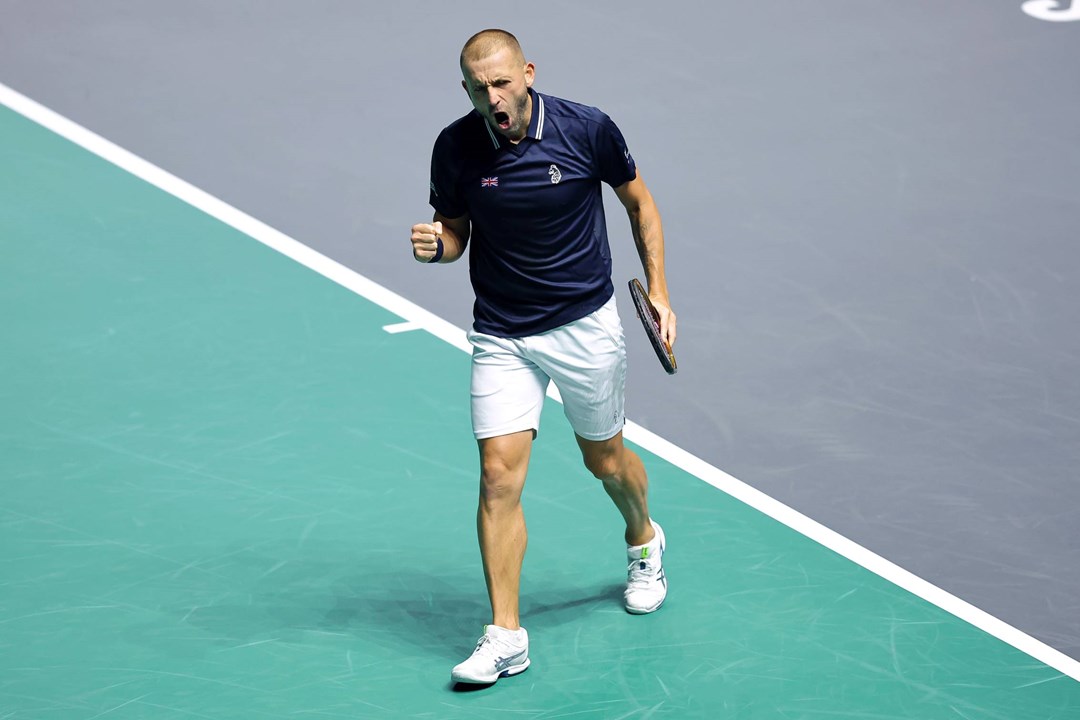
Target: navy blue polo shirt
column 538, row 254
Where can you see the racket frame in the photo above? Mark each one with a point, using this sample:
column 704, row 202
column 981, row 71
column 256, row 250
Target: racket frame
column 650, row 320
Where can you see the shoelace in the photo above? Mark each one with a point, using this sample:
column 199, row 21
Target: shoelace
column 640, row 573
column 491, row 646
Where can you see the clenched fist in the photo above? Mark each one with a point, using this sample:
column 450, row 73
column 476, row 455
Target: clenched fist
column 425, row 241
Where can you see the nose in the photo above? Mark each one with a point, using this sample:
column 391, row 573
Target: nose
column 493, row 96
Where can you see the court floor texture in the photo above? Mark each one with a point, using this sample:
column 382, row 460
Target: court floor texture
column 234, row 488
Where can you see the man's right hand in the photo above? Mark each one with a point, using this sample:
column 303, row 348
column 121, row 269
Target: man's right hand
column 424, row 240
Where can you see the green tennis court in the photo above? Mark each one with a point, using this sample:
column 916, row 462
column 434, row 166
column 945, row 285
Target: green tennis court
column 228, row 492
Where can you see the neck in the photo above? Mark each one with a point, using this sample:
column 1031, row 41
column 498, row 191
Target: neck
column 526, row 120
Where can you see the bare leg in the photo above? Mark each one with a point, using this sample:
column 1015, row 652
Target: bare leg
column 624, row 478
column 500, row 521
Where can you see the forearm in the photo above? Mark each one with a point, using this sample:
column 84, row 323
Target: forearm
column 649, row 239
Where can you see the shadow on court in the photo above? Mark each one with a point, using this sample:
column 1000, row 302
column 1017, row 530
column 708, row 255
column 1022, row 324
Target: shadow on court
column 440, row 614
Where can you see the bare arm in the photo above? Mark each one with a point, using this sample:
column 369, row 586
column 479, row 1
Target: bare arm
column 453, row 231
column 649, row 238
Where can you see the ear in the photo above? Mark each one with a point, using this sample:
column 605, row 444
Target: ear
column 530, row 74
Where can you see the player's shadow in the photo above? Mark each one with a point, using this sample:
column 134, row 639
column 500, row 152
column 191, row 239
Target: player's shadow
column 408, row 605
column 556, row 606
column 429, row 610
column 436, row 610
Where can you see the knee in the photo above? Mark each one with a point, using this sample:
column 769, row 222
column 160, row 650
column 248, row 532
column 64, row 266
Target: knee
column 499, row 482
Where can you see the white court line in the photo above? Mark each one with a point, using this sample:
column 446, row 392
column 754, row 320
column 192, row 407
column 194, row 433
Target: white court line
column 401, row 327
column 443, row 330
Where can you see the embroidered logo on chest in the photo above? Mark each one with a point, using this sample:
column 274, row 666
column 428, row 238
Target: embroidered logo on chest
column 489, row 182
column 555, row 174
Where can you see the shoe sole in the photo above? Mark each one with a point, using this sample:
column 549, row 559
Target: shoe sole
column 645, row 611
column 508, row 672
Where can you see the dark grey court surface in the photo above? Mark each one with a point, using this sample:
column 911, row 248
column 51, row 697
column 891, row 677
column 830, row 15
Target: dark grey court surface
column 871, row 211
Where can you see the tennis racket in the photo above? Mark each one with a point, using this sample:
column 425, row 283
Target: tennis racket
column 650, row 319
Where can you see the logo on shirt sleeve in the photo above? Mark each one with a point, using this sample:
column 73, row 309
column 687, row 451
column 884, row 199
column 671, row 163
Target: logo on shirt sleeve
column 556, row 176
column 489, row 182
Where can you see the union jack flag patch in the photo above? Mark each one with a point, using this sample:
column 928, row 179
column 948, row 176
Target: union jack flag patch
column 489, row 182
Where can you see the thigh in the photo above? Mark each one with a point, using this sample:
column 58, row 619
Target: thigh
column 507, row 388
column 586, row 360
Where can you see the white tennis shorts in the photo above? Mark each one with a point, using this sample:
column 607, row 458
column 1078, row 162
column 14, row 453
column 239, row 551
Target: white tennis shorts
column 586, row 359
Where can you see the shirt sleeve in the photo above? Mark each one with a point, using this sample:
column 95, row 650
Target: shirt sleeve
column 444, row 195
column 615, row 163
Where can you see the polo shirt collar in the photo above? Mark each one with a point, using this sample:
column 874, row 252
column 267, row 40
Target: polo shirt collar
column 536, row 122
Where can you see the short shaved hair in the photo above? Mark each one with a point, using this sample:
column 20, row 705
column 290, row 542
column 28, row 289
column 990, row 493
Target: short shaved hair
column 488, row 42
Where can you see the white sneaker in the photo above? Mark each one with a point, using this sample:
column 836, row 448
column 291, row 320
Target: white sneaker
column 646, row 584
column 499, row 653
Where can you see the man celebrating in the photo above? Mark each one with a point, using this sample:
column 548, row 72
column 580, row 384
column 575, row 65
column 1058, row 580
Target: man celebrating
column 519, row 178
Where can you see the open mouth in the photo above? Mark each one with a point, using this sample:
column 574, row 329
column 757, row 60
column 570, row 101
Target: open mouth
column 502, row 119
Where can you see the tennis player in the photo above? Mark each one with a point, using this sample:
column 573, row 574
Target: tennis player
column 518, row 180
